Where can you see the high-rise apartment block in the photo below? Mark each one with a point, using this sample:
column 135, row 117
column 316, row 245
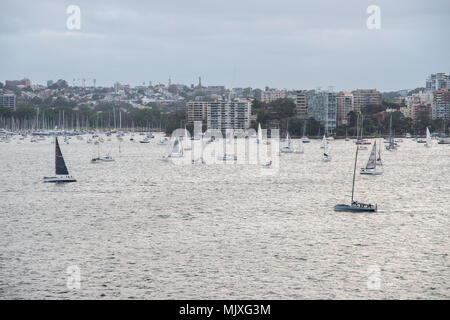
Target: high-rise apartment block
column 365, row 97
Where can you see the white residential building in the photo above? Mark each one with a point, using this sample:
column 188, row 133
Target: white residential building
column 272, row 95
column 234, row 114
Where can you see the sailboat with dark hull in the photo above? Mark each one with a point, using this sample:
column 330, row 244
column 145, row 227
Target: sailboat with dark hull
column 61, row 172
column 356, row 206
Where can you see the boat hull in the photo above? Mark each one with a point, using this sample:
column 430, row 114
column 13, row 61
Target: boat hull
column 59, row 179
column 347, row 208
column 373, row 173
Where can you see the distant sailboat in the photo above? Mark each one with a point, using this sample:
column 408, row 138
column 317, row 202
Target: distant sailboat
column 286, row 148
column 162, row 142
column 371, row 166
column 324, row 142
column 106, row 158
column 326, row 157
column 360, row 140
column 260, row 136
column 61, row 172
column 379, row 162
column 259, row 133
column 428, row 139
column 391, row 146
column 305, row 139
column 355, row 206
column 177, row 149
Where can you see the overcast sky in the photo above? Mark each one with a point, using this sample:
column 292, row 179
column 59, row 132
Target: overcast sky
column 285, row 44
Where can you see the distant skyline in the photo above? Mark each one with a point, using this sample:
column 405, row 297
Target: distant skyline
column 282, row 44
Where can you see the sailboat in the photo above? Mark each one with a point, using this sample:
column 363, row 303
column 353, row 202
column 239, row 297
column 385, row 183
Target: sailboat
column 346, row 135
column 177, row 150
column 326, row 157
column 61, row 172
column 391, row 146
column 324, row 142
column 145, row 140
column 286, row 148
column 106, row 158
column 260, row 136
column 360, row 140
column 371, row 166
column 428, row 139
column 259, row 133
column 267, row 165
column 379, row 162
column 162, row 141
column 355, row 206
column 305, row 139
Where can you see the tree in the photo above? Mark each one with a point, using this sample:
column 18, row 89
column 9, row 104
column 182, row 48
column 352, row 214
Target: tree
column 175, row 121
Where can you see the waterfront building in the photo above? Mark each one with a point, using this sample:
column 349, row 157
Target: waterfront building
column 270, row 95
column 437, row 82
column 323, row 108
column 344, row 104
column 441, row 105
column 228, row 114
column 8, row 100
column 365, row 97
column 301, row 106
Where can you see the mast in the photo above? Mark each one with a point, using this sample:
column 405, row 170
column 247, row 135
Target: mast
column 354, row 171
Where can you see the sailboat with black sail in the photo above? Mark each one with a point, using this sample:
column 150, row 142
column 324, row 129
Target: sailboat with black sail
column 61, row 172
column 356, row 206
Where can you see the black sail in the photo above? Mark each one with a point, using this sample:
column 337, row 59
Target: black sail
column 60, row 165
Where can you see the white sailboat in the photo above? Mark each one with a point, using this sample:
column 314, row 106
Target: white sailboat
column 371, row 166
column 392, row 145
column 260, row 136
column 107, row 158
column 259, row 133
column 286, row 148
column 177, row 149
column 324, row 142
column 428, row 139
column 305, row 139
column 325, row 157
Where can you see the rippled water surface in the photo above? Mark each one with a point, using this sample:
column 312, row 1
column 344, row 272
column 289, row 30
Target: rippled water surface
column 143, row 228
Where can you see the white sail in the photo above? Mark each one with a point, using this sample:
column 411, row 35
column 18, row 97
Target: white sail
column 260, row 137
column 372, row 158
column 287, row 143
column 324, row 142
column 428, row 138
